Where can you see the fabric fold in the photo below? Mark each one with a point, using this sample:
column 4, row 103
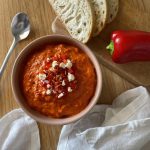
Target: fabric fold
column 18, row 132
column 123, row 126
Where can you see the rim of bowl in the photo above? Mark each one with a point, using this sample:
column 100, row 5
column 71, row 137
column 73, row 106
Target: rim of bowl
column 94, row 99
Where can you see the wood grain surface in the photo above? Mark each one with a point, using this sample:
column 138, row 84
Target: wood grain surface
column 41, row 16
column 133, row 15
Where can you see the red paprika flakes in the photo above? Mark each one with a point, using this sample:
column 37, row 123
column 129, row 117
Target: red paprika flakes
column 58, row 76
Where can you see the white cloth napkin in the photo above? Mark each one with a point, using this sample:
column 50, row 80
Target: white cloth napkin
column 123, row 126
column 18, row 132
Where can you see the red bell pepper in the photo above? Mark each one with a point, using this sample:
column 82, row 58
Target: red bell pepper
column 129, row 46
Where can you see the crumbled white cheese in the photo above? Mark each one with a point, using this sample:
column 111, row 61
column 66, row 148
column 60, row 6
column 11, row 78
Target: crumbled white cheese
column 63, row 83
column 62, row 65
column 48, row 86
column 69, row 89
column 68, row 64
column 48, row 59
column 71, row 77
column 54, row 64
column 48, row 92
column 46, row 81
column 42, row 76
column 60, row 95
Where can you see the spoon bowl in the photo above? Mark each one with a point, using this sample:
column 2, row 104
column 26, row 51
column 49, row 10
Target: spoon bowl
column 20, row 26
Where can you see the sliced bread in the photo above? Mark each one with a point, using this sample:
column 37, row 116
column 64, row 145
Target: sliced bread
column 100, row 14
column 77, row 16
column 113, row 6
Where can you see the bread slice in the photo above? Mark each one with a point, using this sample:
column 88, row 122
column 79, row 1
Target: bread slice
column 77, row 16
column 100, row 13
column 113, row 6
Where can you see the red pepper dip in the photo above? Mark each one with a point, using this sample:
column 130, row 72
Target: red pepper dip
column 58, row 80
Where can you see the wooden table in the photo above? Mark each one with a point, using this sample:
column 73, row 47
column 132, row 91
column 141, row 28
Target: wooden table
column 41, row 16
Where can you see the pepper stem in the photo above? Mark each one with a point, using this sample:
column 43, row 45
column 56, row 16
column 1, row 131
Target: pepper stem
column 110, row 47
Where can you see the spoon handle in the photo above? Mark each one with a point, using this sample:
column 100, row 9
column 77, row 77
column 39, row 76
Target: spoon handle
column 2, row 68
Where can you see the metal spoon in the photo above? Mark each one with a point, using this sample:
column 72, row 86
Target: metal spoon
column 20, row 27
